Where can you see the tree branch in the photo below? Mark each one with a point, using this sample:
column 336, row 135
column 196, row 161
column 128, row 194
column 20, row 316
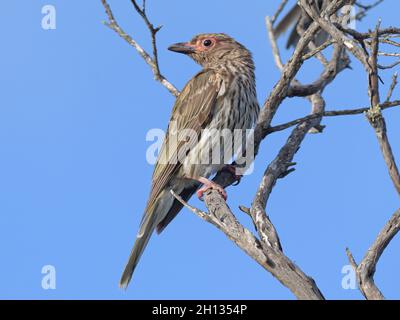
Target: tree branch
column 332, row 113
column 366, row 269
column 151, row 61
column 272, row 259
column 375, row 116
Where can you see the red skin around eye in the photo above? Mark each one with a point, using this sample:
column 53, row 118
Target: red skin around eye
column 200, row 47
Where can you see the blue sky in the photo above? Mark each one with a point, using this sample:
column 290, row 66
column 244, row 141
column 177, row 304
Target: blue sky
column 75, row 107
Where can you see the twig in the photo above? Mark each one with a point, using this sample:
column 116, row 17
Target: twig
column 153, row 33
column 333, row 113
column 365, row 8
column 392, row 87
column 366, row 269
column 317, row 50
column 152, row 62
column 279, row 11
column 390, row 66
column 203, row 215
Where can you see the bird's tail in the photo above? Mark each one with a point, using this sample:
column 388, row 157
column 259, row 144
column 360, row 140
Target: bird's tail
column 146, row 230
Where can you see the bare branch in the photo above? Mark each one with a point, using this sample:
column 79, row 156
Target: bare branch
column 203, row 215
column 390, row 66
column 375, row 116
column 317, row 50
column 279, row 93
column 365, row 8
column 334, row 32
column 366, row 269
column 281, row 7
column 333, row 113
column 270, row 258
column 392, row 87
column 151, row 61
column 153, row 32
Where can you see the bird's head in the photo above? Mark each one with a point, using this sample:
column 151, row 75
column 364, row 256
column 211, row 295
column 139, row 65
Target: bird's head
column 213, row 49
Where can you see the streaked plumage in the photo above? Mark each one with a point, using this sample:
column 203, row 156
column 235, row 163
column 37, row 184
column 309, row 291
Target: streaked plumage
column 221, row 96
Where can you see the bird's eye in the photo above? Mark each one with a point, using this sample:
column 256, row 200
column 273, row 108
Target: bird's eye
column 207, row 42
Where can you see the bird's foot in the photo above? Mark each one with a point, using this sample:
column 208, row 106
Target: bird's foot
column 232, row 170
column 207, row 185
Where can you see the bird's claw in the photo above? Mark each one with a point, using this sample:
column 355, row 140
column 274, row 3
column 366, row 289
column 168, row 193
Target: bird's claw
column 207, row 185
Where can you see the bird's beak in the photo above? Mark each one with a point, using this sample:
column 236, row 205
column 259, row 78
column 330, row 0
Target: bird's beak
column 182, row 48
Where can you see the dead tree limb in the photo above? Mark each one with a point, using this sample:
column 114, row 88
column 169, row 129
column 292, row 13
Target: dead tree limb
column 366, row 269
column 375, row 116
column 151, row 61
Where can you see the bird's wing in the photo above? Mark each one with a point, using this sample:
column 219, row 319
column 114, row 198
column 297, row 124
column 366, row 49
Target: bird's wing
column 193, row 110
column 292, row 16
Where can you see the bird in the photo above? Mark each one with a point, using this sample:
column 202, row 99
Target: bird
column 222, row 96
column 302, row 20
